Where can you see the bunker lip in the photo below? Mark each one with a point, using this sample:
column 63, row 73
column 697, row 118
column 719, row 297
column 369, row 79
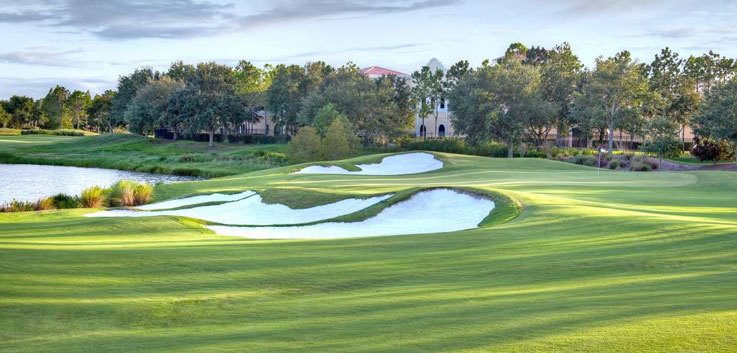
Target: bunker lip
column 196, row 200
column 430, row 211
column 253, row 211
column 399, row 164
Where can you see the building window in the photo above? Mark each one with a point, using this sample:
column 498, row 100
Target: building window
column 442, row 102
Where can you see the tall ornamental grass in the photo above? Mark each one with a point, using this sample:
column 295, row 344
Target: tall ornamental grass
column 93, row 197
column 42, row 204
column 129, row 193
column 122, row 193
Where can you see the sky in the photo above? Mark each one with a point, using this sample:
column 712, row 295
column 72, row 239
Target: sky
column 88, row 44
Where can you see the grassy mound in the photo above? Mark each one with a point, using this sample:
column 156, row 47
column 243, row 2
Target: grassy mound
column 140, row 154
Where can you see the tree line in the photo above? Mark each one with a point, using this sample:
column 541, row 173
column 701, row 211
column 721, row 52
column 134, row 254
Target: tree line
column 527, row 93
column 60, row 109
column 519, row 98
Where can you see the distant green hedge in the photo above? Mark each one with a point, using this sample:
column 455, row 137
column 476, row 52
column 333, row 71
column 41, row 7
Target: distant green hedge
column 52, row 132
column 458, row 145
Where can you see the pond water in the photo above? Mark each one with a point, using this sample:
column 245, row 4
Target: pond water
column 29, row 182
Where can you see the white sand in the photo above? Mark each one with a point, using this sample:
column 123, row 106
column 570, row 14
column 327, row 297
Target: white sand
column 196, row 200
column 252, row 211
column 433, row 211
column 406, row 163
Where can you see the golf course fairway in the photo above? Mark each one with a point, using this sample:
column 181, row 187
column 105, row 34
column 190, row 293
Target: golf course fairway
column 572, row 261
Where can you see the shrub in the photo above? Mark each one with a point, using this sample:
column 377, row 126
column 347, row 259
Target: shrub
column 325, row 117
column 339, row 141
column 63, row 201
column 255, row 139
column 615, row 164
column 52, row 132
column 22, row 206
column 93, row 197
column 638, row 166
column 304, row 146
column 45, row 204
column 122, row 193
column 585, row 159
column 274, row 157
column 16, row 206
column 708, row 150
column 663, row 147
column 141, row 194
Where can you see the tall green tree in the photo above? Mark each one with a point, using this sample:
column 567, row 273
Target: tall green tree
column 561, row 74
column 709, row 69
column 339, row 142
column 515, row 51
column 77, row 104
column 99, row 112
column 324, row 117
column 54, row 105
column 22, row 110
column 717, row 116
column 378, row 109
column 128, row 86
column 180, row 111
column 617, row 83
column 676, row 95
column 495, row 102
column 284, row 95
column 4, row 116
column 251, row 84
column 661, row 138
column 180, row 71
column 215, row 102
column 428, row 90
column 149, row 107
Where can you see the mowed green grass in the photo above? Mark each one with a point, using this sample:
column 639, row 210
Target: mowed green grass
column 621, row 262
column 137, row 153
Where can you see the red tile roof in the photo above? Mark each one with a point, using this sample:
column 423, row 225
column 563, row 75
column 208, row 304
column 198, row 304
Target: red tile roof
column 380, row 71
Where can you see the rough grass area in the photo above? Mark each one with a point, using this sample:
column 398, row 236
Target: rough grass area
column 621, row 262
column 136, row 153
column 9, row 132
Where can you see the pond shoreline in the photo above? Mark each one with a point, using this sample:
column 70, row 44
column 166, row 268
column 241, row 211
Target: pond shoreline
column 9, row 158
column 30, row 182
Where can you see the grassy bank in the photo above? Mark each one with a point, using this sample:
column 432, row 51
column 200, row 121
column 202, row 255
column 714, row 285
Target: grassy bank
column 135, row 153
column 611, row 263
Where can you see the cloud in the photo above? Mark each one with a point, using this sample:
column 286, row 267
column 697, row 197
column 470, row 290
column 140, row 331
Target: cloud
column 40, row 56
column 372, row 49
column 311, row 9
column 588, row 7
column 133, row 19
column 26, row 16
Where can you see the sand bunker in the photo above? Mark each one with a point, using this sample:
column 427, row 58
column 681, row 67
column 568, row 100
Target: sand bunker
column 406, row 163
column 196, row 200
column 252, row 211
column 433, row 211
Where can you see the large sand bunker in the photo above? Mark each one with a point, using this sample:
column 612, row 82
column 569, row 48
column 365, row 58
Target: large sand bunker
column 432, row 211
column 406, row 163
column 253, row 211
